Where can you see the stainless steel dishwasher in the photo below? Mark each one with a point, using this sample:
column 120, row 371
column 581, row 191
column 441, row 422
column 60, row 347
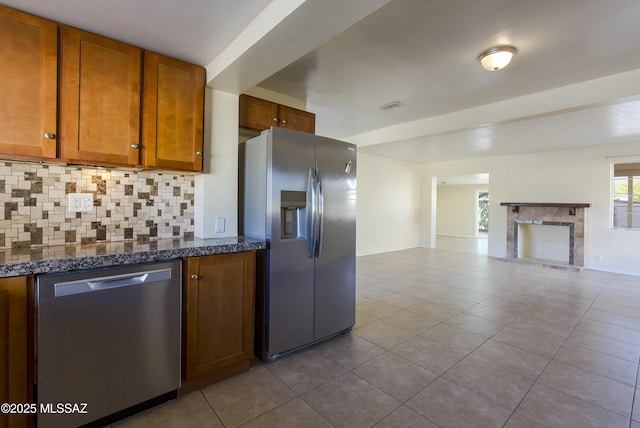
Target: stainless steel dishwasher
column 107, row 340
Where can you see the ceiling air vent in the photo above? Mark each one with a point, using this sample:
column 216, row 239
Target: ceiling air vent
column 390, row 106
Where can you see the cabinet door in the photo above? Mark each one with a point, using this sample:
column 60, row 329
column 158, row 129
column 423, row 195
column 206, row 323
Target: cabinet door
column 219, row 311
column 14, row 334
column 99, row 99
column 173, row 113
column 257, row 114
column 28, row 84
column 299, row 120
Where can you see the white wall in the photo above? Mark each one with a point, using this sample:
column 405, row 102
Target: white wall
column 456, row 209
column 387, row 217
column 560, row 176
column 388, row 189
column 396, row 198
column 277, row 97
column 216, row 190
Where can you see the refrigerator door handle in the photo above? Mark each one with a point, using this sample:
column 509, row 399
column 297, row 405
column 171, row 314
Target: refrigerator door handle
column 311, row 214
column 320, row 213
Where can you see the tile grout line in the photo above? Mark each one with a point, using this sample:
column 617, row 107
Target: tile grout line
column 442, row 376
column 469, row 353
column 635, row 395
column 552, row 359
column 210, row 406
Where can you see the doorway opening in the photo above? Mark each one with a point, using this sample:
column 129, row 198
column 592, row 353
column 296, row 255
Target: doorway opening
column 460, row 213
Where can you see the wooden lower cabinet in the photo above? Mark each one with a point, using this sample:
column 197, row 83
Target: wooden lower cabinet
column 15, row 348
column 218, row 317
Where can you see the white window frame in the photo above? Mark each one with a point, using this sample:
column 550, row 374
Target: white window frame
column 613, row 193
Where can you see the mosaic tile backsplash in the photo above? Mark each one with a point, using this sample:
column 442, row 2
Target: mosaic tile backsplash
column 128, row 205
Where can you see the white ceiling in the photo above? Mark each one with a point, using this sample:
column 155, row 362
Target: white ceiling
column 575, row 80
column 424, row 54
column 191, row 30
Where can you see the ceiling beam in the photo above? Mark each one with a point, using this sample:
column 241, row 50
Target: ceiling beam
column 283, row 32
column 602, row 91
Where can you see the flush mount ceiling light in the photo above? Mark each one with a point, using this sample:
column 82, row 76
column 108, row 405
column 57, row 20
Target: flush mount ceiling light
column 496, row 58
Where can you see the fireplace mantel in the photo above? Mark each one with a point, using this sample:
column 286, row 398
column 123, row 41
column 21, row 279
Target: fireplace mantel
column 547, row 214
column 515, row 206
column 545, row 204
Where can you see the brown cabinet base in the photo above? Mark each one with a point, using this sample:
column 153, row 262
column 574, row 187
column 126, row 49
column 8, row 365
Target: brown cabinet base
column 16, row 348
column 213, row 377
column 218, row 314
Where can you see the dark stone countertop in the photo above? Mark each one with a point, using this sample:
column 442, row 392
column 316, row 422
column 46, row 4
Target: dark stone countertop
column 63, row 258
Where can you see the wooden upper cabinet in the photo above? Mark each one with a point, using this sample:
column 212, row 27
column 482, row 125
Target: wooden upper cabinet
column 99, row 99
column 14, row 348
column 104, row 114
column 173, row 113
column 299, row 120
column 28, row 84
column 259, row 114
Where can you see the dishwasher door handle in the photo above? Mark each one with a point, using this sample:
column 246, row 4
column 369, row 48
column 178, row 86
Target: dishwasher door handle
column 69, row 288
column 113, row 283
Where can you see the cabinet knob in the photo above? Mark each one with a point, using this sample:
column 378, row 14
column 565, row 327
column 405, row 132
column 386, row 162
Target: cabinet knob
column 135, row 146
column 283, row 121
column 49, row 136
column 194, row 276
column 198, row 153
column 275, row 119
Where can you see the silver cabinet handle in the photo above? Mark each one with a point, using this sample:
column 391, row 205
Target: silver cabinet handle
column 275, row 119
column 198, row 153
column 135, row 146
column 49, row 136
column 283, row 121
column 194, row 276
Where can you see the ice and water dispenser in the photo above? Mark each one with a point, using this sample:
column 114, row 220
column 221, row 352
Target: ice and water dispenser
column 293, row 214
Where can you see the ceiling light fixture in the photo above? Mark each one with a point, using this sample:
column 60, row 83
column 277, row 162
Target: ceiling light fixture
column 496, row 58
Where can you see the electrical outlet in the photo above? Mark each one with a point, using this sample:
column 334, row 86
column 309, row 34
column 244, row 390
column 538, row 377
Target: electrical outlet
column 80, row 202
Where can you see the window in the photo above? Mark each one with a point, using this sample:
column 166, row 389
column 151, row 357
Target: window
column 626, row 195
column 482, row 204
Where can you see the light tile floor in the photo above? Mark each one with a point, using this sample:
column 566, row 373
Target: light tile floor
column 451, row 338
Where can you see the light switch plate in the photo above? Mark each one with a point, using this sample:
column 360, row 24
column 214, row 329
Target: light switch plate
column 80, row 202
column 219, row 224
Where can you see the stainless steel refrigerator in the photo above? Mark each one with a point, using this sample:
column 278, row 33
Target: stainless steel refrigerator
column 298, row 192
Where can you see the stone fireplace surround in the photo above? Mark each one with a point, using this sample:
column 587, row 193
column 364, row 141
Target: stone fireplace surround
column 543, row 213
